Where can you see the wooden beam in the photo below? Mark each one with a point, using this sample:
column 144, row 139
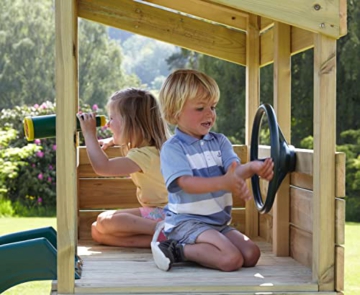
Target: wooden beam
column 324, row 17
column 282, row 106
column 187, row 32
column 209, row 11
column 301, row 40
column 66, row 107
column 252, row 104
column 324, row 164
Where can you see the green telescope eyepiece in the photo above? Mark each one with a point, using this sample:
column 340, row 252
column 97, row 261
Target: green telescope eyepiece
column 45, row 126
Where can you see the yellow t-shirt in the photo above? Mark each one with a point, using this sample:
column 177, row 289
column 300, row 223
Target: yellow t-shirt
column 151, row 190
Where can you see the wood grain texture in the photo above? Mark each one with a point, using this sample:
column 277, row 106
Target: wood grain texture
column 164, row 25
column 324, row 171
column 132, row 270
column 328, row 18
column 66, row 107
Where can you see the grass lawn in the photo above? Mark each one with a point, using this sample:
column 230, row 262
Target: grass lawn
column 352, row 254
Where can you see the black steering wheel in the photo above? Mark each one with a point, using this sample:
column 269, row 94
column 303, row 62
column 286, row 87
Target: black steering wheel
column 282, row 154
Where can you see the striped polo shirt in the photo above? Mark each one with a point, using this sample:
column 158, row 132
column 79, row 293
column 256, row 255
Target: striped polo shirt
column 184, row 155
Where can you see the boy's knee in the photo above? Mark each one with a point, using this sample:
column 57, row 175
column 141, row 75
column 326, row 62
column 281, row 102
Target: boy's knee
column 251, row 256
column 231, row 262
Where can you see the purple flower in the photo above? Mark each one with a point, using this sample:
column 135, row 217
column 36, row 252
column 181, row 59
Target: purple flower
column 39, row 200
column 49, row 179
column 40, row 176
column 95, row 107
column 54, row 147
column 39, row 154
column 43, row 106
column 36, row 106
column 51, row 167
column 37, row 141
column 33, row 165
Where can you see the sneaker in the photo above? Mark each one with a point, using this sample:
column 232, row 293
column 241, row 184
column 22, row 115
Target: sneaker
column 166, row 253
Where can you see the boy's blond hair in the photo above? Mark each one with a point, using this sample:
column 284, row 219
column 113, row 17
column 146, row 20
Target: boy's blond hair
column 141, row 117
column 184, row 84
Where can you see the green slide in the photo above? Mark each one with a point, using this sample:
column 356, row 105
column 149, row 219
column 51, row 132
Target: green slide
column 30, row 256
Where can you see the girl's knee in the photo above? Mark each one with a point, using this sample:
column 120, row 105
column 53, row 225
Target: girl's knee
column 95, row 234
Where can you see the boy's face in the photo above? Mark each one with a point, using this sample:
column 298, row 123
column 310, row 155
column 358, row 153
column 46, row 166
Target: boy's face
column 197, row 117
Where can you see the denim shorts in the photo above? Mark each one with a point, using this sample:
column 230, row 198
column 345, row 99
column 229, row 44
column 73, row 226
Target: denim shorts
column 188, row 231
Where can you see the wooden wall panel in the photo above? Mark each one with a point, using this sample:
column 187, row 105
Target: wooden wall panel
column 339, row 268
column 108, row 193
column 265, row 227
column 300, row 246
column 301, row 213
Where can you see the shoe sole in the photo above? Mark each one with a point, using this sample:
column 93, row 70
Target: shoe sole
column 160, row 259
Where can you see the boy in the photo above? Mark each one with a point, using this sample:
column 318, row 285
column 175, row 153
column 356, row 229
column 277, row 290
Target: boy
column 201, row 173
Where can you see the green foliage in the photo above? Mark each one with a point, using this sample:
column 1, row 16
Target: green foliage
column 6, row 209
column 148, row 60
column 27, row 59
column 27, row 52
column 100, row 59
column 231, row 107
column 11, row 158
column 28, row 170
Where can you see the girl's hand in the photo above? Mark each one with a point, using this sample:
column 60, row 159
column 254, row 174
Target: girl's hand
column 236, row 184
column 87, row 123
column 106, row 142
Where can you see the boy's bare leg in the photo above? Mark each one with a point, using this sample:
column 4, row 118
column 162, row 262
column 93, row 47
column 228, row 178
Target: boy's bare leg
column 249, row 250
column 214, row 250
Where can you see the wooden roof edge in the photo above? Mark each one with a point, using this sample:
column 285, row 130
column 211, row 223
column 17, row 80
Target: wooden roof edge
column 323, row 17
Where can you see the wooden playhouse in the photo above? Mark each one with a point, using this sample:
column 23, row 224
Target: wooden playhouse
column 301, row 238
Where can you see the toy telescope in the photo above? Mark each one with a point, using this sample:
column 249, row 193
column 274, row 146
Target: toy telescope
column 45, row 126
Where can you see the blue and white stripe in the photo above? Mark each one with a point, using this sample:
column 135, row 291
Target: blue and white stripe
column 184, row 155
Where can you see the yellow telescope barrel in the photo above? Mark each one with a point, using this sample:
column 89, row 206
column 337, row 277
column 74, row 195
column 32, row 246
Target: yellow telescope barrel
column 45, row 126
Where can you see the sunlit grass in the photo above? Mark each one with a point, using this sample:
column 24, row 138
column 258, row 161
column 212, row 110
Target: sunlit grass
column 352, row 259
column 352, row 254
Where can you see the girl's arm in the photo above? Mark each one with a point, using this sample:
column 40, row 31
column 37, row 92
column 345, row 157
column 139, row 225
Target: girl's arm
column 101, row 164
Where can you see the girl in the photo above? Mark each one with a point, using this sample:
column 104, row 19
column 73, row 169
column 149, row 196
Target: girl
column 138, row 127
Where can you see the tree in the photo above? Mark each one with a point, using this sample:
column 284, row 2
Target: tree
column 27, row 60
column 27, row 52
column 147, row 59
column 100, row 60
column 231, row 107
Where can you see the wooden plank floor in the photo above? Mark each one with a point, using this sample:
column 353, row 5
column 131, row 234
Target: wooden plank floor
column 112, row 270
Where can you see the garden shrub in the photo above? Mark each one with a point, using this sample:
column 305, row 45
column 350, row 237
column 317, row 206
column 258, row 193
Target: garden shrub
column 29, row 181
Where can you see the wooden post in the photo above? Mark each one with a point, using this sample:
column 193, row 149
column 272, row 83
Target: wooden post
column 66, row 104
column 324, row 161
column 252, row 103
column 282, row 106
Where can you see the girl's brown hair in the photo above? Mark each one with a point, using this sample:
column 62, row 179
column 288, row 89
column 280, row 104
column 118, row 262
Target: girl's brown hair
column 141, row 117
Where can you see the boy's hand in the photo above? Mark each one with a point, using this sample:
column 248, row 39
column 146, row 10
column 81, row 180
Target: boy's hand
column 236, row 184
column 264, row 169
